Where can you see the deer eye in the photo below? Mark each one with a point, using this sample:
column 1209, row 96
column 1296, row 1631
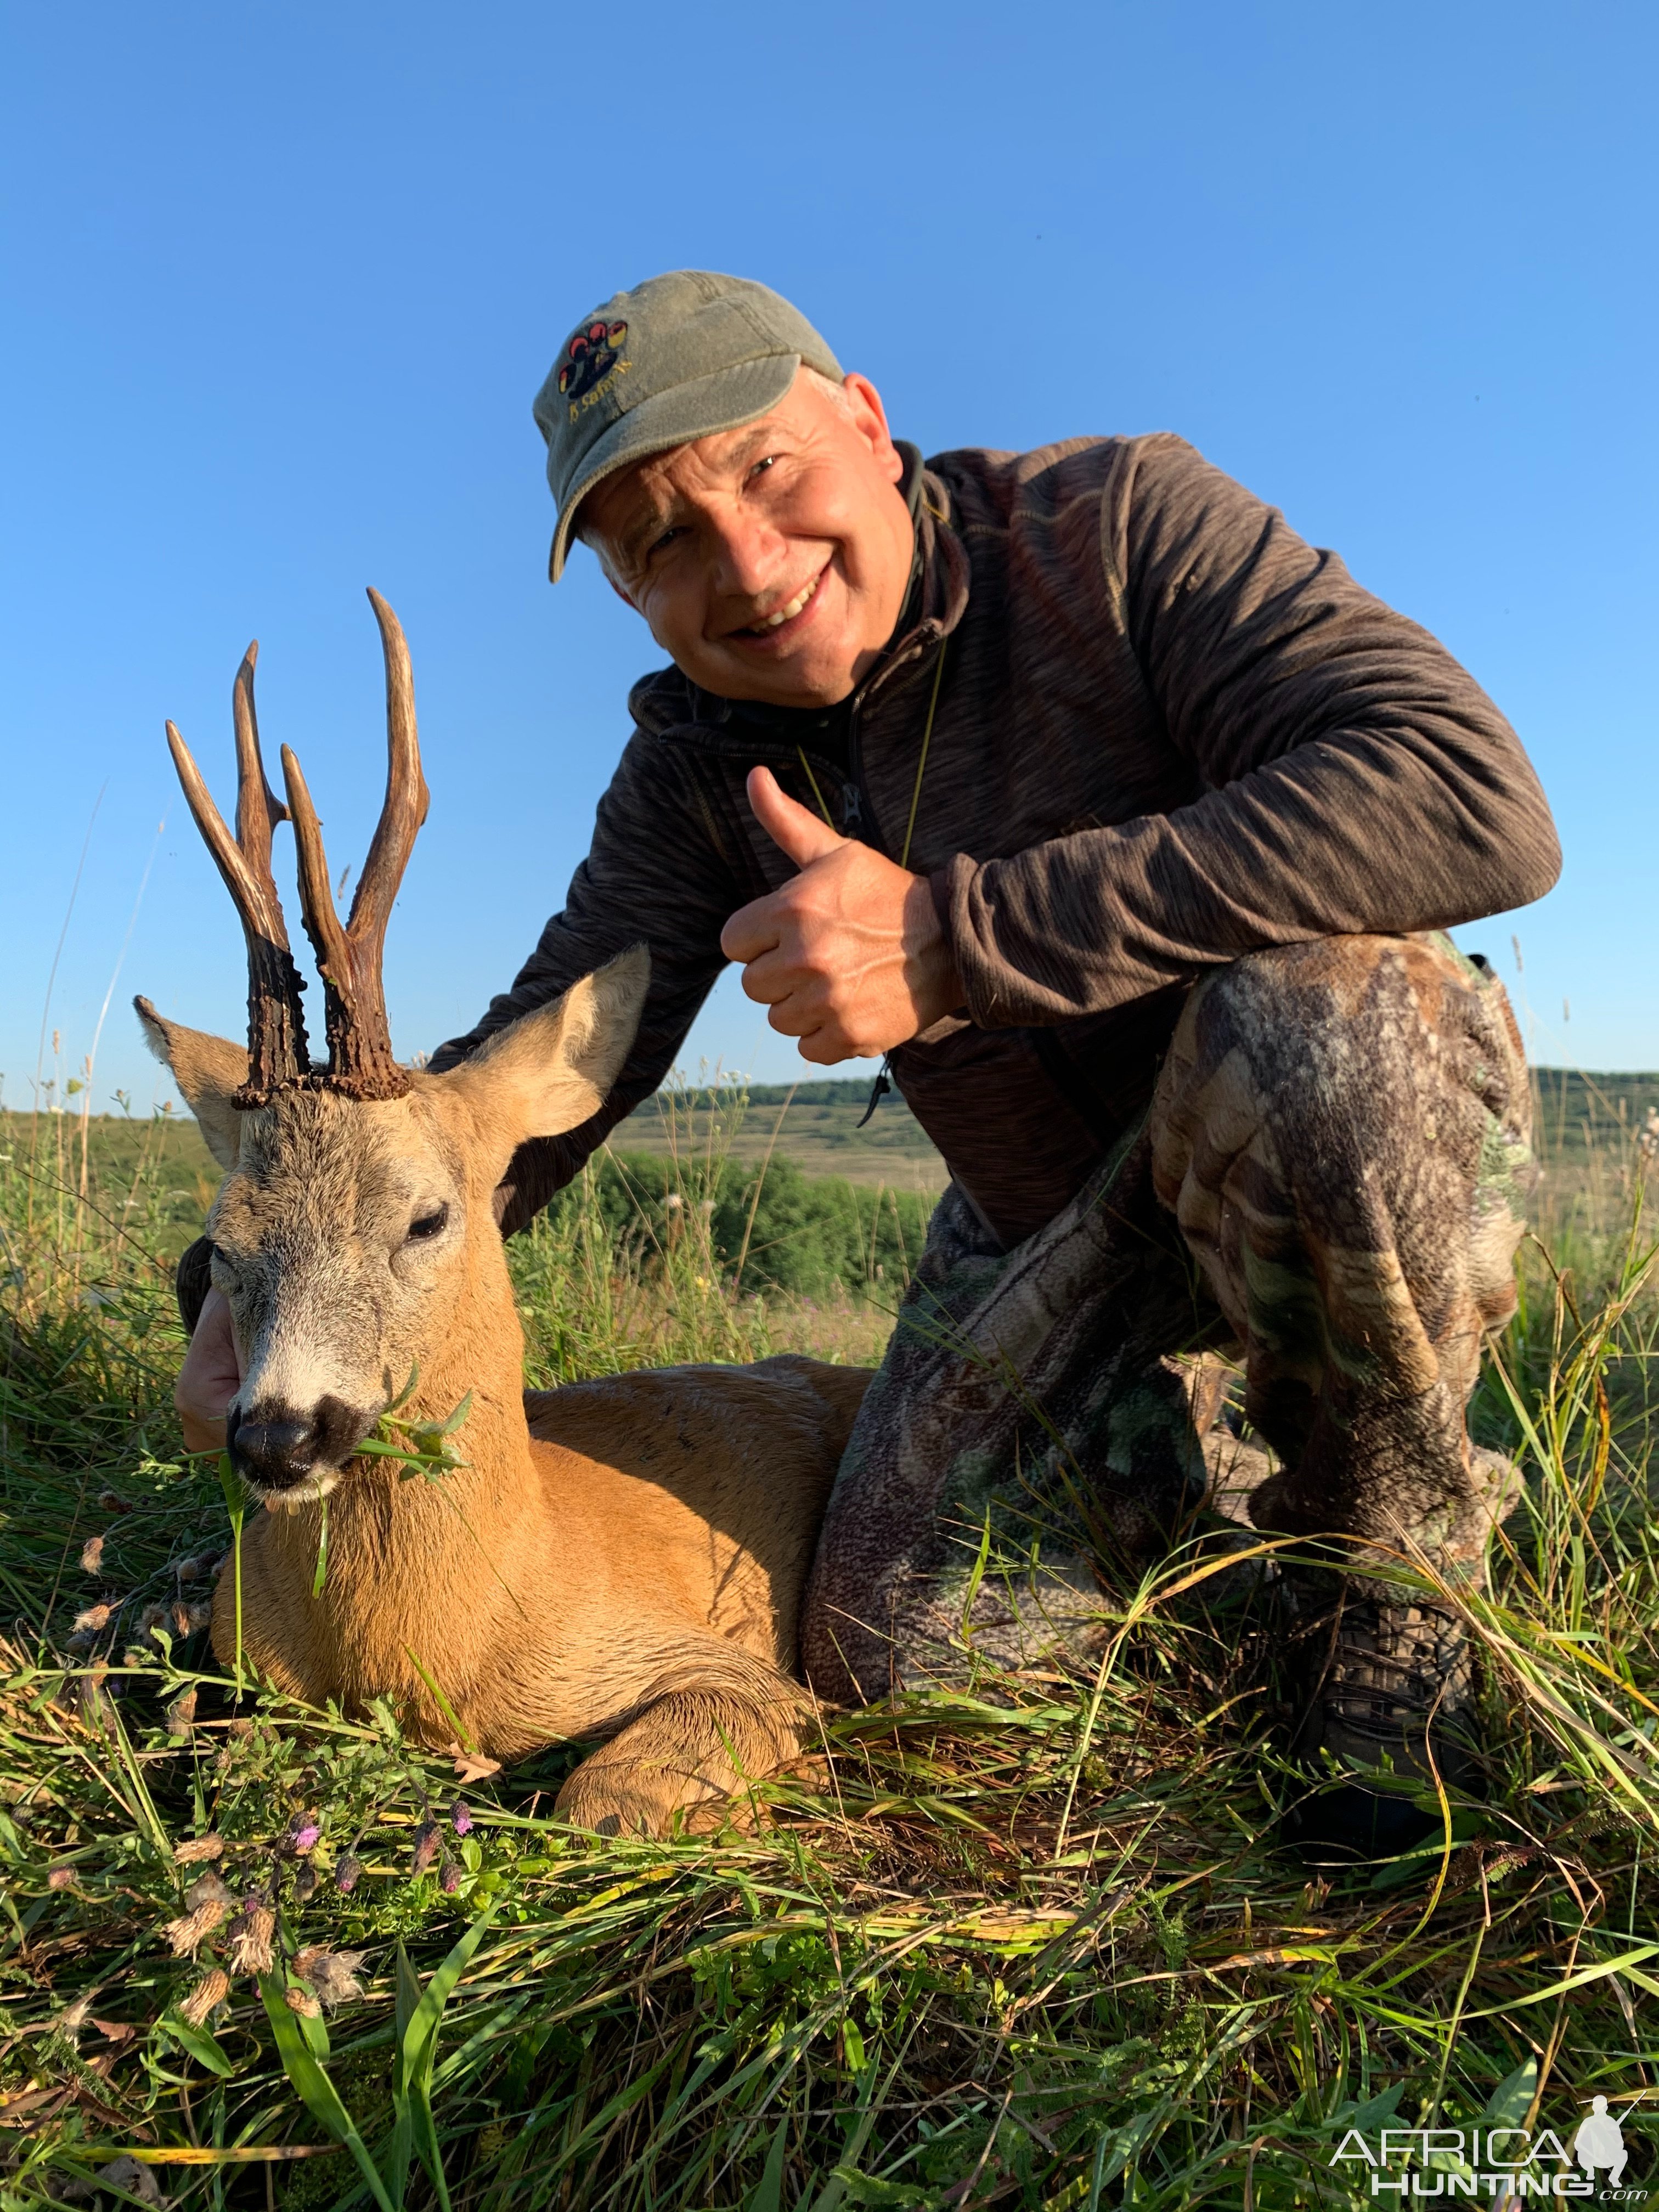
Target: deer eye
column 430, row 1225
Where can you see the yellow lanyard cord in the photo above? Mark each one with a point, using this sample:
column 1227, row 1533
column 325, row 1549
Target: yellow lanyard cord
column 807, row 766
column 921, row 765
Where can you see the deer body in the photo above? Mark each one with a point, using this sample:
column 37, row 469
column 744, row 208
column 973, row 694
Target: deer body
column 622, row 1559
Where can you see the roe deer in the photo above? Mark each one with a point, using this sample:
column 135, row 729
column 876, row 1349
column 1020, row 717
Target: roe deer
column 619, row 1559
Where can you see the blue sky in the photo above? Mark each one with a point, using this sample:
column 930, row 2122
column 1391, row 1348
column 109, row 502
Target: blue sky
column 280, row 281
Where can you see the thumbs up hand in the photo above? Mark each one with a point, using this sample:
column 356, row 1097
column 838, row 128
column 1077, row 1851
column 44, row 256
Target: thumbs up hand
column 850, row 955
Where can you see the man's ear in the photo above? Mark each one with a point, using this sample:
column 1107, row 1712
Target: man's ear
column 551, row 1070
column 209, row 1070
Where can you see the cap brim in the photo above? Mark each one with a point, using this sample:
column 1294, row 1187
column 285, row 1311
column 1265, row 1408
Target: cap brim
column 724, row 401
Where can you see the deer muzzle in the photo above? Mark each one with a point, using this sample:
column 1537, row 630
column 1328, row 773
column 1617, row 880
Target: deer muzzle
column 275, row 1447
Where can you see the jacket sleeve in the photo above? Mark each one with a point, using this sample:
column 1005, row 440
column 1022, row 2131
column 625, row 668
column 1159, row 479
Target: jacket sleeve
column 1352, row 776
column 654, row 874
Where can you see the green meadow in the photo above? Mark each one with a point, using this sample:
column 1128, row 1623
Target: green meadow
column 1031, row 1943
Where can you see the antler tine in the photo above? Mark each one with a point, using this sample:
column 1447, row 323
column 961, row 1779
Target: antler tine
column 258, row 809
column 278, row 1051
column 322, row 923
column 407, row 797
column 360, row 1057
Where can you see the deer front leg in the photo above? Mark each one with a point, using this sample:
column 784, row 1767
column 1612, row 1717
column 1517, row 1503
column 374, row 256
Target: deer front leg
column 685, row 1748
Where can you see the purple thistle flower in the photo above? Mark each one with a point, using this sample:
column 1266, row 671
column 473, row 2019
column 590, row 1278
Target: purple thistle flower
column 450, row 1879
column 426, row 1847
column 346, row 1872
column 303, row 1835
column 461, row 1817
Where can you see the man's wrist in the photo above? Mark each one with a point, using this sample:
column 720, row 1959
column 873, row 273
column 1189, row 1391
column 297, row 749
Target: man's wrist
column 937, row 988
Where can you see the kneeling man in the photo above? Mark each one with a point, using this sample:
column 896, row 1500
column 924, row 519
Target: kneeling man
column 1126, row 825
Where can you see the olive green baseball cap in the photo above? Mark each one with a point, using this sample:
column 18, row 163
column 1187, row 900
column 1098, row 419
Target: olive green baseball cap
column 679, row 357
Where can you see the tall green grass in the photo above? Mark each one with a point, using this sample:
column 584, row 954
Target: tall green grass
column 1030, row 1944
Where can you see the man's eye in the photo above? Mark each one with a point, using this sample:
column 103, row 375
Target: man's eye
column 765, row 462
column 430, row 1225
column 667, row 537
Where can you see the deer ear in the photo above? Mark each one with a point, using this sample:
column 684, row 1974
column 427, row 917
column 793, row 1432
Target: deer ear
column 209, row 1070
column 553, row 1069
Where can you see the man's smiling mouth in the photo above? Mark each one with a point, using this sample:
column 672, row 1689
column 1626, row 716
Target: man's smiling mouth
column 788, row 611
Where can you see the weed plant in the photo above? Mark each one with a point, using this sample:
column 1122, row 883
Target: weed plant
column 1029, row 1943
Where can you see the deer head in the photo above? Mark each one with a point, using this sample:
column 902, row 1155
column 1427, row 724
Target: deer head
column 354, row 1236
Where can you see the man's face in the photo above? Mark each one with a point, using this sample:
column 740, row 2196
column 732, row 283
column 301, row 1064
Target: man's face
column 771, row 562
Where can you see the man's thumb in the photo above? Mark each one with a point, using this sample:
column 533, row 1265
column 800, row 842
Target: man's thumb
column 804, row 836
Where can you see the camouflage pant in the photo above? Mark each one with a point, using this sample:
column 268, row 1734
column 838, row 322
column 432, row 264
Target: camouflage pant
column 1328, row 1187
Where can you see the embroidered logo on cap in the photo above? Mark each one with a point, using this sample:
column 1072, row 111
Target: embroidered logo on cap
column 592, row 352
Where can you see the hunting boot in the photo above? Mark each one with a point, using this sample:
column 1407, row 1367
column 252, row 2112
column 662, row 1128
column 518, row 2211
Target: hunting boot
column 1387, row 1700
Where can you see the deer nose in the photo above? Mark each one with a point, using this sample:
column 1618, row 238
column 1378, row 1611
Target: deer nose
column 275, row 1450
column 274, row 1445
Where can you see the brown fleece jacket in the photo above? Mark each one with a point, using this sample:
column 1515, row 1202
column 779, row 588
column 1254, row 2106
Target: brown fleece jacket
column 1169, row 734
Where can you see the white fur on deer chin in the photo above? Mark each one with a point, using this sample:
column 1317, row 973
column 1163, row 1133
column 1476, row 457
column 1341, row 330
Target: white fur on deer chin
column 310, row 1490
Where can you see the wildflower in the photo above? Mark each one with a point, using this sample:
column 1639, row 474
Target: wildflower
column 181, row 1714
column 250, row 1934
column 60, row 1877
column 88, row 1697
column 209, row 1890
column 332, row 1974
column 303, row 1835
column 303, row 2002
column 188, row 1570
column 152, row 1618
column 186, row 1935
column 94, row 1618
column 197, row 1848
column 450, row 1879
column 461, row 1818
column 212, row 1989
column 347, row 1869
column 305, row 1884
column 111, row 1501
column 92, row 1556
column 189, row 1619
column 426, row 1847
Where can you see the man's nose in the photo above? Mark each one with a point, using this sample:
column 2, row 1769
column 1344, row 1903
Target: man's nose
column 275, row 1446
column 750, row 554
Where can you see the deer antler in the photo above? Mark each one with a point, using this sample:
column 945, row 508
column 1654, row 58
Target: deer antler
column 359, row 1056
column 276, row 1050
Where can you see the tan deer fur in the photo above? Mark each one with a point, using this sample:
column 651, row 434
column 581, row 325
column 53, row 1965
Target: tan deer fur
column 621, row 1559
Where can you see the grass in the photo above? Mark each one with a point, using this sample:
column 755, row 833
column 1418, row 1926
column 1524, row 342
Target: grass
column 1027, row 1944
